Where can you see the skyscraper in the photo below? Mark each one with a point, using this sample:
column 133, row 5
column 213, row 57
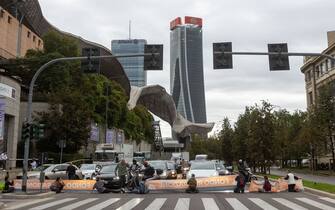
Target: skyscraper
column 132, row 66
column 186, row 68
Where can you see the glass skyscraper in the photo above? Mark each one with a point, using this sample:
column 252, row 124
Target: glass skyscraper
column 132, row 66
column 186, row 69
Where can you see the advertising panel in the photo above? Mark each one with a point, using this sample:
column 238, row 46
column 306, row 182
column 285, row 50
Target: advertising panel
column 34, row 184
column 7, row 91
column 193, row 20
column 279, row 185
column 175, row 23
column 109, row 136
column 94, row 136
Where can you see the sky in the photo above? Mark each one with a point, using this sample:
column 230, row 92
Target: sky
column 249, row 25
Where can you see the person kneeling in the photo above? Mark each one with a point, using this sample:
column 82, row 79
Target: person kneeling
column 57, row 186
column 100, row 186
column 240, row 183
column 9, row 186
column 192, row 185
column 266, row 185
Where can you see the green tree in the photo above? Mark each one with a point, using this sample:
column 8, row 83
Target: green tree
column 225, row 137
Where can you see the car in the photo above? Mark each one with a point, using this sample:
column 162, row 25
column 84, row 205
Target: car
column 201, row 157
column 221, row 169
column 107, row 173
column 35, row 173
column 172, row 172
column 89, row 170
column 160, row 166
column 202, row 169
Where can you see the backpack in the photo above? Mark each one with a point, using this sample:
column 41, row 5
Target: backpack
column 241, row 181
column 267, row 186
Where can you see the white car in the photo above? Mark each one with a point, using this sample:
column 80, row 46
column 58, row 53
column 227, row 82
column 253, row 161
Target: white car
column 89, row 170
column 202, row 169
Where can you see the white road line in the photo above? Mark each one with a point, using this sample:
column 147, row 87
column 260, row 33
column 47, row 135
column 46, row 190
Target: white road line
column 25, row 203
column 130, row 204
column 77, row 204
column 48, row 205
column 156, row 204
column 104, row 204
column 209, row 204
column 236, row 204
column 316, row 204
column 182, row 204
column 327, row 199
column 289, row 204
column 262, row 204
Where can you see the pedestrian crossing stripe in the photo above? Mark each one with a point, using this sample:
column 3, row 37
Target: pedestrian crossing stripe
column 182, row 203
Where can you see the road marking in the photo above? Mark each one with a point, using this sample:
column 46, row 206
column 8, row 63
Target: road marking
column 289, row 204
column 156, row 204
column 183, row 204
column 209, row 204
column 104, row 204
column 236, row 204
column 130, row 204
column 316, row 204
column 262, row 204
column 327, row 199
column 26, row 203
column 48, row 205
column 77, row 204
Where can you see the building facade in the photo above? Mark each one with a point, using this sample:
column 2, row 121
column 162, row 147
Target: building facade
column 134, row 67
column 186, row 69
column 319, row 70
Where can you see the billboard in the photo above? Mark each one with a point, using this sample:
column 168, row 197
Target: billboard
column 94, row 134
column 175, row 23
column 193, row 20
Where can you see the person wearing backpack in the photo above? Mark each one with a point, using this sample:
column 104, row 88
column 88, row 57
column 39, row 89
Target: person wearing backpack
column 240, row 183
column 267, row 186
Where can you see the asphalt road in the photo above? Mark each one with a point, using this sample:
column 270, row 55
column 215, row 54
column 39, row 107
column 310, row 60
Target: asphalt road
column 178, row 201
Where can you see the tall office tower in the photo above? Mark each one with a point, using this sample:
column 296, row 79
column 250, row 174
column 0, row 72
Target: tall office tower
column 134, row 67
column 186, row 68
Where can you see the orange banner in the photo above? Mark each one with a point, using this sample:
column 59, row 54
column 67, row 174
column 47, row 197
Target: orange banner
column 34, row 184
column 179, row 184
column 279, row 185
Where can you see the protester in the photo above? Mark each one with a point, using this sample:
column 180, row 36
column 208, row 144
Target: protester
column 57, row 186
column 266, row 185
column 192, row 185
column 121, row 171
column 240, row 183
column 100, row 186
column 291, row 181
column 149, row 171
column 9, row 185
column 71, row 172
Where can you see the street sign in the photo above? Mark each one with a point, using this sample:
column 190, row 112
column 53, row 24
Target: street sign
column 153, row 61
column 90, row 65
column 220, row 59
column 278, row 62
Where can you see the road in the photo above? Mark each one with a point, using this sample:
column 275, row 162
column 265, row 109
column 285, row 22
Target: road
column 177, row 201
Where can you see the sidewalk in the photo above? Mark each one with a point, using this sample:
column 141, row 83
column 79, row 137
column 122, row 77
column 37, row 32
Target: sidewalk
column 309, row 177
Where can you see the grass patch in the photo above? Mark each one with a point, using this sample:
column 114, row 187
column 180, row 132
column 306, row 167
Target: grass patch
column 315, row 185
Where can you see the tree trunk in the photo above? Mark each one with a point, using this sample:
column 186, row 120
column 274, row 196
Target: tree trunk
column 332, row 147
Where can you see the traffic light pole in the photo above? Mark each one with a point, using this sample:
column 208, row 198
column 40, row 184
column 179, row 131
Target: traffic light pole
column 30, row 98
column 276, row 53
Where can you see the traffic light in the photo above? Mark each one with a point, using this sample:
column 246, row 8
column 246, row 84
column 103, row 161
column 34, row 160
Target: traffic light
column 278, row 62
column 37, row 131
column 221, row 60
column 155, row 60
column 25, row 131
column 90, row 65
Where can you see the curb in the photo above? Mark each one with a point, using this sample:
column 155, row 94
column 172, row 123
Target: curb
column 27, row 196
column 319, row 192
column 2, row 205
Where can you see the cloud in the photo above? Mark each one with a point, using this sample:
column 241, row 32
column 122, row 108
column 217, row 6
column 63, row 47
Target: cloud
column 250, row 25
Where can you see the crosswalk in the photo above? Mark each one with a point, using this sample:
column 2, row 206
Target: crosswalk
column 236, row 203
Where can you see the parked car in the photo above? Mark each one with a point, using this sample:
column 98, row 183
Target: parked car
column 89, row 170
column 35, row 172
column 222, row 169
column 202, row 169
column 160, row 166
column 107, row 173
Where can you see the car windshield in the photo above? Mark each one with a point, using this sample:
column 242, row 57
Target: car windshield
column 87, row 167
column 203, row 166
column 171, row 165
column 50, row 168
column 220, row 166
column 108, row 169
column 41, row 168
column 158, row 164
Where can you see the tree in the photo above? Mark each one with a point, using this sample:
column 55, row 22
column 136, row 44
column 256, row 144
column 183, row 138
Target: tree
column 225, row 137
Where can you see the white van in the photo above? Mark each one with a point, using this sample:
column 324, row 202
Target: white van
column 201, row 157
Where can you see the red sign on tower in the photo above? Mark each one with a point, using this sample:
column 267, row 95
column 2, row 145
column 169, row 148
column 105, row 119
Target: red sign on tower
column 193, row 20
column 175, row 23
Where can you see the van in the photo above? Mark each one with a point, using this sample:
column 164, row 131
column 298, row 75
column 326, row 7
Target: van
column 201, row 157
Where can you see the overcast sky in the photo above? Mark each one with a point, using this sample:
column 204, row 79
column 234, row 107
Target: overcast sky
column 249, row 25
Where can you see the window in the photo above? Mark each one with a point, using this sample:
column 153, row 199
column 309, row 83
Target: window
column 329, row 64
column 310, row 98
column 9, row 19
column 317, row 71
column 321, row 69
column 28, row 34
column 34, row 38
column 39, row 42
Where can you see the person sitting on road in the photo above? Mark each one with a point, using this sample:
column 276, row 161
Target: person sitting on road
column 240, row 183
column 192, row 185
column 9, row 186
column 71, row 171
column 266, row 185
column 149, row 171
column 57, row 186
column 291, row 181
column 100, row 186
